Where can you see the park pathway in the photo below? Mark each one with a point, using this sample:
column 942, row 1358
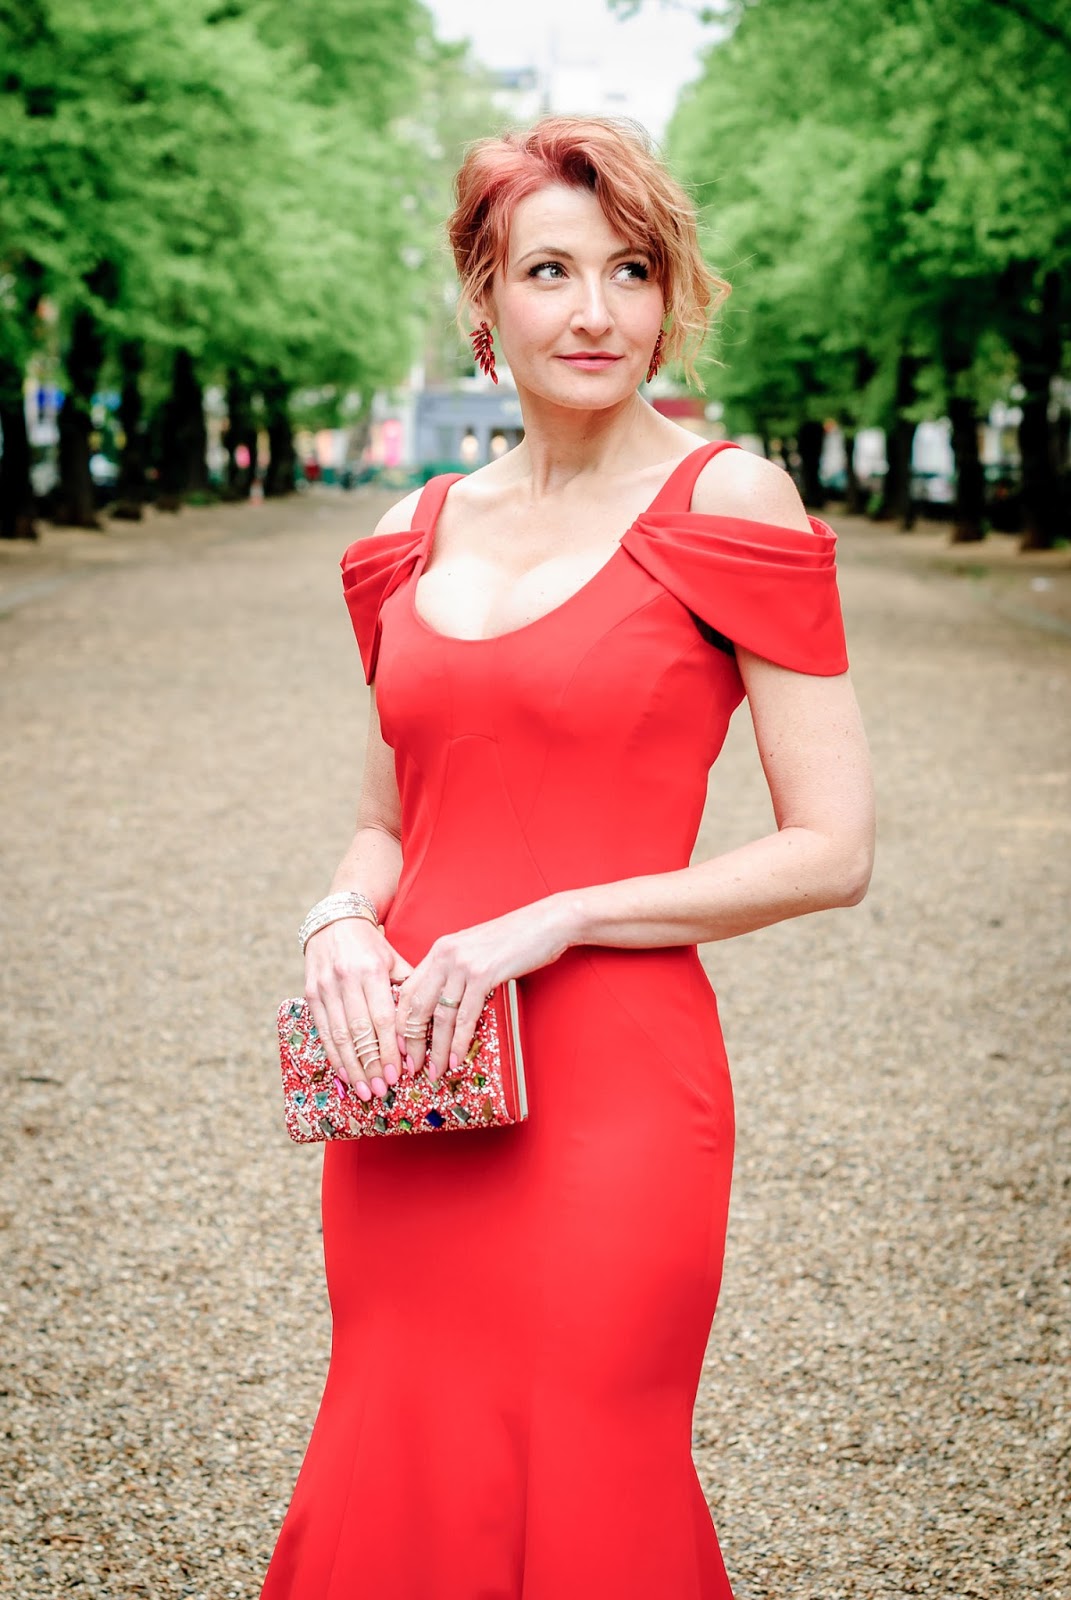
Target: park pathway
column 884, row 1409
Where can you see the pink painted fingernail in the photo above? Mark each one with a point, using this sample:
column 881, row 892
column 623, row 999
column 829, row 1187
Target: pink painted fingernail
column 390, row 1072
column 453, row 1061
column 363, row 1090
column 379, row 1087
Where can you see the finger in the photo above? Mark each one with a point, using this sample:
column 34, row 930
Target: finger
column 364, row 1036
column 412, row 1024
column 318, row 1018
column 400, row 969
column 468, row 1016
column 384, row 1017
column 444, row 1021
column 338, row 1040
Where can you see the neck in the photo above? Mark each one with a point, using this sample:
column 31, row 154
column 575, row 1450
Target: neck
column 561, row 444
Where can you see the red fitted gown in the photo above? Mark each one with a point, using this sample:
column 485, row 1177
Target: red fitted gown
column 520, row 1314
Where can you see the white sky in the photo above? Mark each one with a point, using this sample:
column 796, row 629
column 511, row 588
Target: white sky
column 596, row 62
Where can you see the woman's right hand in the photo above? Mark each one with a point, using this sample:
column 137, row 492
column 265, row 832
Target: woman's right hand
column 349, row 968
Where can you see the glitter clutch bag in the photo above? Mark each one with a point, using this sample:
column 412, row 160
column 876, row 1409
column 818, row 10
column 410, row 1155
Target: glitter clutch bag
column 487, row 1090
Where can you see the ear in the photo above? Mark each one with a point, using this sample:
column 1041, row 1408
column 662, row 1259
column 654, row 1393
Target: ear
column 482, row 311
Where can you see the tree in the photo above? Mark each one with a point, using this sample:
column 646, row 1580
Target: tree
column 893, row 189
column 226, row 191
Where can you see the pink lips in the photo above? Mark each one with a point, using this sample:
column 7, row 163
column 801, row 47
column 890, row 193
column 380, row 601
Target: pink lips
column 591, row 360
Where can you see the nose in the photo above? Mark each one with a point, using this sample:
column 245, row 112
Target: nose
column 592, row 314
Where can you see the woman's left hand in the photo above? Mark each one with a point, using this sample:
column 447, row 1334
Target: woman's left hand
column 464, row 967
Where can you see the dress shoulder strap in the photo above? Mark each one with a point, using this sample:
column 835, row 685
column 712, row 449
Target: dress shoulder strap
column 430, row 504
column 676, row 493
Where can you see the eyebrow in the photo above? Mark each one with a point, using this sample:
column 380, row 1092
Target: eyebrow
column 567, row 255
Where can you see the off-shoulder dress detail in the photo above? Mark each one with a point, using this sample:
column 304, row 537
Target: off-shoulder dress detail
column 520, row 1314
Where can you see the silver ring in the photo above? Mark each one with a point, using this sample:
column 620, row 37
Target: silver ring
column 443, row 1001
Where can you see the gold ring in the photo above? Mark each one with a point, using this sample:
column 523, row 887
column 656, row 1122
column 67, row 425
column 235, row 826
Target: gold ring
column 443, row 1001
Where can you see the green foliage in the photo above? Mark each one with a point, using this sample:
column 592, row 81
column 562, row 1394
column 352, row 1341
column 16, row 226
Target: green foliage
column 874, row 173
column 249, row 180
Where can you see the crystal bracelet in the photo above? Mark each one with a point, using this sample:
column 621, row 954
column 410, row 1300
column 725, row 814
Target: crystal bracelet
column 335, row 907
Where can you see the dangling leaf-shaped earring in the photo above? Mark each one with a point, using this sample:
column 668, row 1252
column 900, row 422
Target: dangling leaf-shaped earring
column 484, row 351
column 656, row 356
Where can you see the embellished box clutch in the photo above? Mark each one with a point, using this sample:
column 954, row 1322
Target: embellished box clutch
column 486, row 1091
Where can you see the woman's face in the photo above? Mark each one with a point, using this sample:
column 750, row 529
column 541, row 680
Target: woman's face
column 576, row 309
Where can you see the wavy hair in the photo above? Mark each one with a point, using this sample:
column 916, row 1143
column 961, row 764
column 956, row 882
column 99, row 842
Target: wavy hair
column 614, row 160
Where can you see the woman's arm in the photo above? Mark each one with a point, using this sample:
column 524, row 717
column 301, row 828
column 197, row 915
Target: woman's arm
column 349, row 965
column 815, row 758
column 373, row 862
column 814, row 754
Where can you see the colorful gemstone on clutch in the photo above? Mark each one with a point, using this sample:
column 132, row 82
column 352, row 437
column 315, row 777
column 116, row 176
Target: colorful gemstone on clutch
column 389, row 1098
column 381, row 1124
column 461, row 1113
column 295, row 1040
column 453, row 1084
column 474, row 1049
column 326, row 1129
column 314, row 1032
column 487, row 1110
column 434, row 1119
column 340, row 1088
column 403, row 1122
column 319, row 1100
column 299, row 1097
column 479, row 1079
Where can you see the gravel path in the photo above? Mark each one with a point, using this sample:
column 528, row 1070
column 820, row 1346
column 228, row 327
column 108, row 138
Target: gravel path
column 884, row 1410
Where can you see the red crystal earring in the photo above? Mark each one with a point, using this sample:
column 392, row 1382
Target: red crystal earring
column 484, row 351
column 656, row 356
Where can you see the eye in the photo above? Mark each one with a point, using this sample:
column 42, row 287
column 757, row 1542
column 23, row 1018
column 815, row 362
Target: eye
column 637, row 271
column 547, row 271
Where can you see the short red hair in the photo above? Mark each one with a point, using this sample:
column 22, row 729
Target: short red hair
column 613, row 159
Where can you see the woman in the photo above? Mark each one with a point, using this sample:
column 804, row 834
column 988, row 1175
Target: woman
column 520, row 1314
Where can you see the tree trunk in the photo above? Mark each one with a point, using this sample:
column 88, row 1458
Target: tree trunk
column 809, row 442
column 76, row 505
column 16, row 487
column 132, row 487
column 240, row 432
column 854, row 497
column 1061, row 441
column 1036, row 341
column 969, row 525
column 279, row 478
column 896, row 500
column 183, row 437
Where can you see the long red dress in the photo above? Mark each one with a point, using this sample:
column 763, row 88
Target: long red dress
column 520, row 1314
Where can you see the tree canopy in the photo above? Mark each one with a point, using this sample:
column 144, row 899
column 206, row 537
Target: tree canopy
column 885, row 183
column 235, row 191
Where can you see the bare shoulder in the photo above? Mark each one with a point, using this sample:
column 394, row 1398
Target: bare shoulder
column 738, row 483
column 399, row 517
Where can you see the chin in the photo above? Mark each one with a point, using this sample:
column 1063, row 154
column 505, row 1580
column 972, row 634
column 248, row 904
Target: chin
column 583, row 391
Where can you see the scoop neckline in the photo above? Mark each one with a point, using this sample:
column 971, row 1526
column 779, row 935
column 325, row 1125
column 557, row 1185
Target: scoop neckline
column 525, row 627
column 577, row 594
